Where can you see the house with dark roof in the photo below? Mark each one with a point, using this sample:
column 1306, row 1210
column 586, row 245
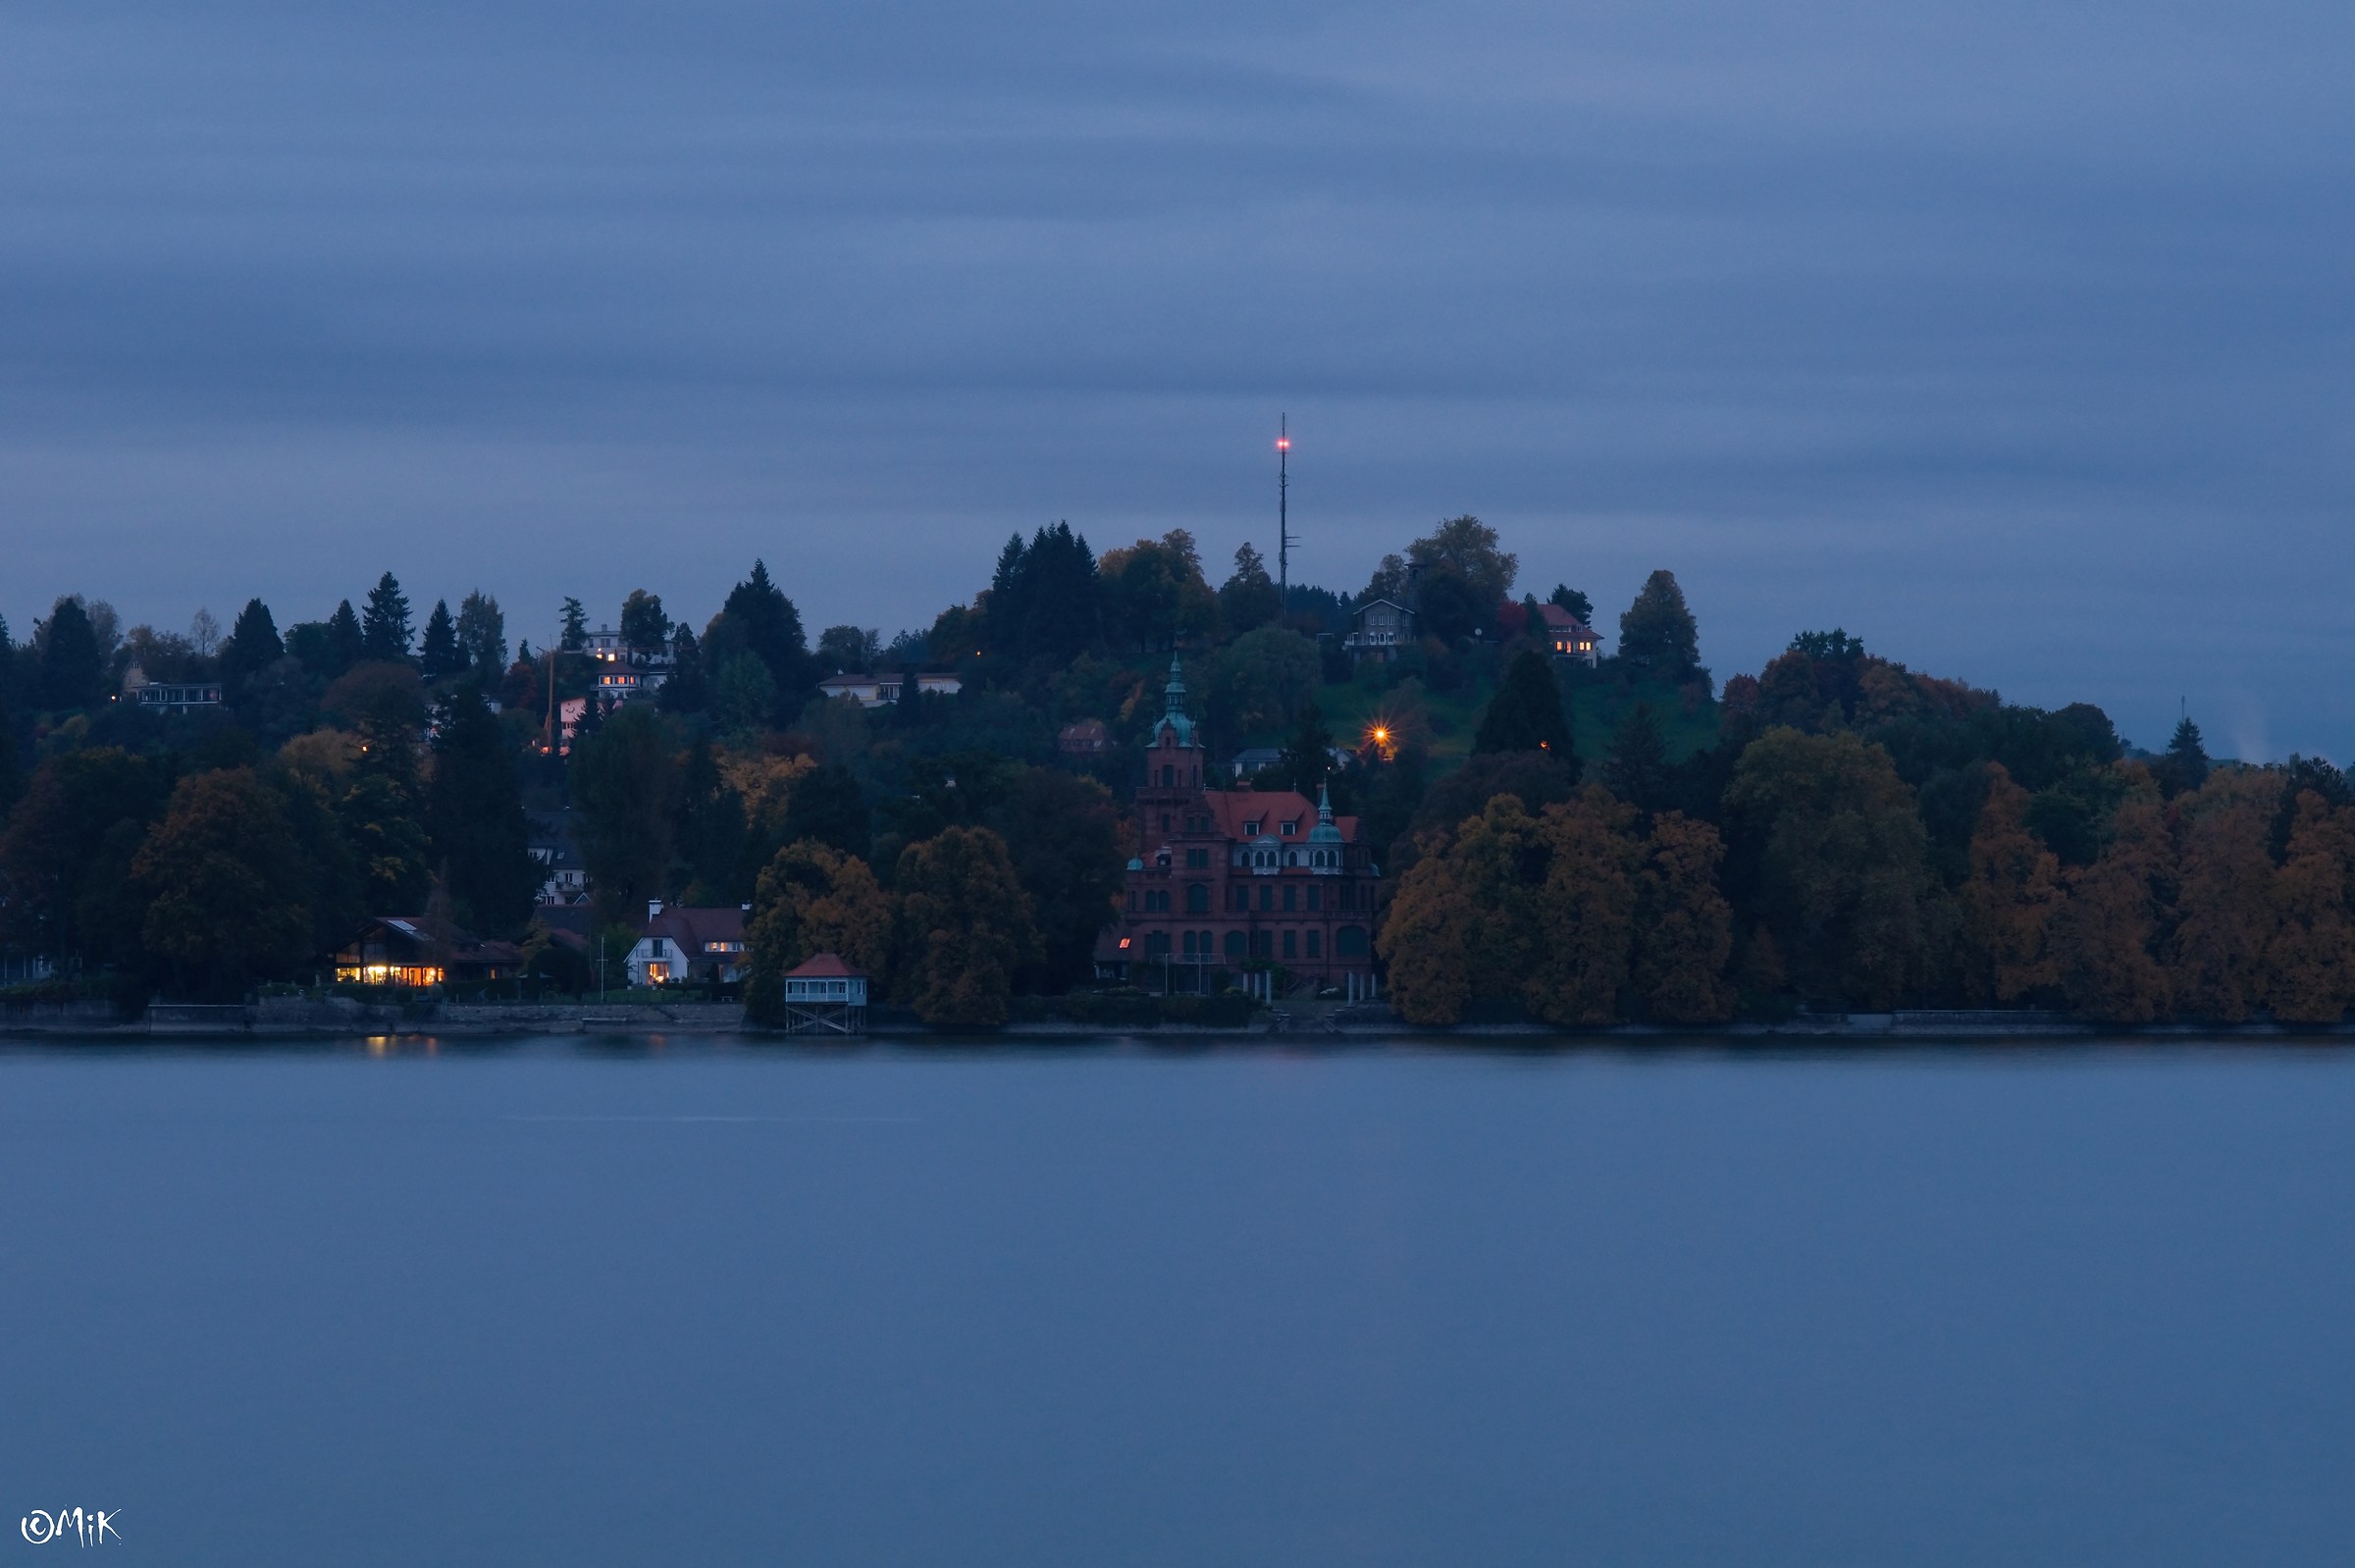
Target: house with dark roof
column 682, row 946
column 416, row 950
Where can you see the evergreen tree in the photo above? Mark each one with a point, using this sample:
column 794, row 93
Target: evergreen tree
column 575, row 620
column 1638, row 770
column 1248, row 598
column 253, row 646
column 73, row 668
column 760, row 620
column 438, row 655
column 2185, row 767
column 710, row 833
column 1658, row 634
column 1571, row 600
column 644, row 625
column 481, row 634
column 1063, row 616
column 625, row 792
column 1526, row 713
column 385, row 629
column 687, row 691
column 478, row 835
column 346, row 644
column 1307, row 755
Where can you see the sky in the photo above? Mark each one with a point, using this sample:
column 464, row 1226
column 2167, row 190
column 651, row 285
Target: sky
column 2012, row 338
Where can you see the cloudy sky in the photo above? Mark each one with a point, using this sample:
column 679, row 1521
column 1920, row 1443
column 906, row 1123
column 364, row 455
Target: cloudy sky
column 2014, row 337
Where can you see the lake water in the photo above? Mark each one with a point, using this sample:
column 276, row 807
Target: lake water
column 588, row 1303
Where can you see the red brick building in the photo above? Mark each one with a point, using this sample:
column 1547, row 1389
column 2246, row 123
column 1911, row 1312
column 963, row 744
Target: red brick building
column 1226, row 879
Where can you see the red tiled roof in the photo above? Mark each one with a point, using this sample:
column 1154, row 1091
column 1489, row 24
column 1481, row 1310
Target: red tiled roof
column 825, row 966
column 1270, row 810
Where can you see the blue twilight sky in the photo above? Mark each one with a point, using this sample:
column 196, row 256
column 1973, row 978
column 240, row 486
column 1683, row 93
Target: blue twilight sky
column 2012, row 337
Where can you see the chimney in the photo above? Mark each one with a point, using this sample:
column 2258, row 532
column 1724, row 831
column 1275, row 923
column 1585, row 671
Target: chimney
column 654, row 909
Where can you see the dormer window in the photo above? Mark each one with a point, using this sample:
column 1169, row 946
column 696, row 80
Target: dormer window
column 1250, row 830
column 1292, row 827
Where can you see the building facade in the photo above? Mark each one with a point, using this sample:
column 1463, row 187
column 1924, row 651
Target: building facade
column 1378, row 628
column 1228, row 882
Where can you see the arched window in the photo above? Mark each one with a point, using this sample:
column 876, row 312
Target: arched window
column 1351, row 941
column 1189, row 944
column 1157, row 944
column 1168, row 777
column 1234, row 944
column 1316, row 943
column 1197, row 898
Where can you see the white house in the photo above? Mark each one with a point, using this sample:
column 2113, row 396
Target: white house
column 881, row 690
column 682, row 946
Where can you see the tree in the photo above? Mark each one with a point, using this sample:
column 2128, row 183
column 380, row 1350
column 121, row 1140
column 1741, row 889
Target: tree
column 964, row 927
column 1426, row 941
column 48, row 854
column 574, row 618
column 1248, row 600
column 385, row 624
column 1387, row 582
column 479, row 837
column 644, row 625
column 345, row 642
column 2106, row 935
column 1448, row 606
column 2185, row 767
column 757, row 618
column 2225, row 899
column 437, row 656
column 2008, row 901
column 481, row 634
column 744, row 699
column 1637, row 769
column 1684, row 926
column 1467, row 548
column 1063, row 838
column 1586, row 910
column 2312, row 962
column 1155, row 594
column 687, row 691
column 1658, row 634
column 1571, row 600
column 625, row 792
column 849, row 648
column 253, row 646
column 73, row 667
column 829, row 806
column 1526, row 713
column 1837, row 852
column 1256, row 683
column 811, row 900
column 223, row 875
column 1307, row 755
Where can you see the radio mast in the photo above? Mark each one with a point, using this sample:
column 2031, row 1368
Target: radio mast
column 1284, row 535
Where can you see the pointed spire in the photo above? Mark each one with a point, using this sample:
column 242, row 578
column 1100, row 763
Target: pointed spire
column 1324, row 804
column 1174, row 694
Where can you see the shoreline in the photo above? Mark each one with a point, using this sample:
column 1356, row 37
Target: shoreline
column 347, row 1021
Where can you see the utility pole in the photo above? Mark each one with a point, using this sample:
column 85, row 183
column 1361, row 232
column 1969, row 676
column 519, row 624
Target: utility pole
column 1284, row 534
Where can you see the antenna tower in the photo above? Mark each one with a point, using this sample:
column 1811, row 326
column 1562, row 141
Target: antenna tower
column 1283, row 533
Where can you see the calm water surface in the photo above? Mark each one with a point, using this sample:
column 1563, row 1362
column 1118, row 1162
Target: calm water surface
column 583, row 1304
